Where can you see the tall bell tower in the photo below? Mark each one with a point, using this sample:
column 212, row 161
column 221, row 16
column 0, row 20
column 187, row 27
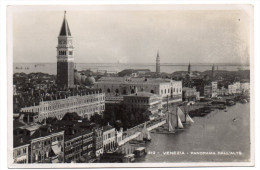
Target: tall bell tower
column 65, row 57
column 158, row 63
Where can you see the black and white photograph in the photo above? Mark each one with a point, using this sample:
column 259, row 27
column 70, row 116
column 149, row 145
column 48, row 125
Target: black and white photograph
column 125, row 85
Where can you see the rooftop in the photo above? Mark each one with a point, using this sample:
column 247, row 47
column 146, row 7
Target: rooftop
column 133, row 80
column 107, row 127
column 78, row 132
column 32, row 127
column 18, row 142
column 142, row 94
column 65, row 30
column 187, row 88
column 40, row 131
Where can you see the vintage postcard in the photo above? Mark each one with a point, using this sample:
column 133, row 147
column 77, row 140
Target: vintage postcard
column 130, row 85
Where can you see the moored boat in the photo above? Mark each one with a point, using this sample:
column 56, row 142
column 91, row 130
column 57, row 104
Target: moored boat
column 140, row 151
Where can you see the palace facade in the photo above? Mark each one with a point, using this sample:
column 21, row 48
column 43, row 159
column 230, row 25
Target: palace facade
column 117, row 86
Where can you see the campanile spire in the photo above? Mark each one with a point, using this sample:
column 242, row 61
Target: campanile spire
column 65, row 30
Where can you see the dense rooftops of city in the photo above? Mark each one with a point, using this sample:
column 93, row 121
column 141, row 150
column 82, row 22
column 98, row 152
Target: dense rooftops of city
column 24, row 134
column 72, row 125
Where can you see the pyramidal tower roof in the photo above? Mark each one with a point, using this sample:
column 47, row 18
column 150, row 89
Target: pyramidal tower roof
column 65, row 30
column 158, row 55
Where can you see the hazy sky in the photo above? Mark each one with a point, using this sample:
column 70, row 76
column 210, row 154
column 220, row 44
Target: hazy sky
column 107, row 34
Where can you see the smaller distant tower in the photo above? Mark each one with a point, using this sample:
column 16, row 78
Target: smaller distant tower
column 213, row 72
column 189, row 69
column 158, row 63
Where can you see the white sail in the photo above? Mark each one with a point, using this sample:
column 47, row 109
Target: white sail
column 189, row 119
column 148, row 135
column 170, row 127
column 145, row 134
column 181, row 114
column 179, row 125
column 140, row 137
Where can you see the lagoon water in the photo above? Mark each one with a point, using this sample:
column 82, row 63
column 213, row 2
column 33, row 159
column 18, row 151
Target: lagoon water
column 215, row 133
column 51, row 68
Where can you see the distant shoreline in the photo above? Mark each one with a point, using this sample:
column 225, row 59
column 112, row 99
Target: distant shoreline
column 162, row 64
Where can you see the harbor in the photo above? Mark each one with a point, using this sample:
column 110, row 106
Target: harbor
column 196, row 142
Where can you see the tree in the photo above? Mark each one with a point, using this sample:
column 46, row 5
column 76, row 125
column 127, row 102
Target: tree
column 51, row 120
column 96, row 118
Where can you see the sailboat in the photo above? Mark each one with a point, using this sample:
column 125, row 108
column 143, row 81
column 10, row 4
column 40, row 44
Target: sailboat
column 187, row 118
column 179, row 124
column 170, row 128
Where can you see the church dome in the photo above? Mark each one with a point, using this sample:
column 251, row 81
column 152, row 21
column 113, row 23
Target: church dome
column 90, row 81
column 83, row 78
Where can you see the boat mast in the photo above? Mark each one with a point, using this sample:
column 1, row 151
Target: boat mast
column 177, row 117
column 167, row 103
column 168, row 115
column 185, row 114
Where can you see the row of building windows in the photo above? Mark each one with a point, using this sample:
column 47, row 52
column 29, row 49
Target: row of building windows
column 54, row 105
column 80, row 110
column 88, row 136
column 73, row 150
column 47, row 141
column 138, row 101
column 65, row 52
column 21, row 151
column 108, row 136
column 74, row 157
column 165, row 90
column 74, row 141
column 24, row 161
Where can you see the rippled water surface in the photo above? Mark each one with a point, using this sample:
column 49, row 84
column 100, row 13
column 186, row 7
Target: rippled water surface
column 218, row 132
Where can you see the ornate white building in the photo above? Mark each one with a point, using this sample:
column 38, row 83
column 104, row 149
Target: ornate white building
column 117, row 86
column 85, row 106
